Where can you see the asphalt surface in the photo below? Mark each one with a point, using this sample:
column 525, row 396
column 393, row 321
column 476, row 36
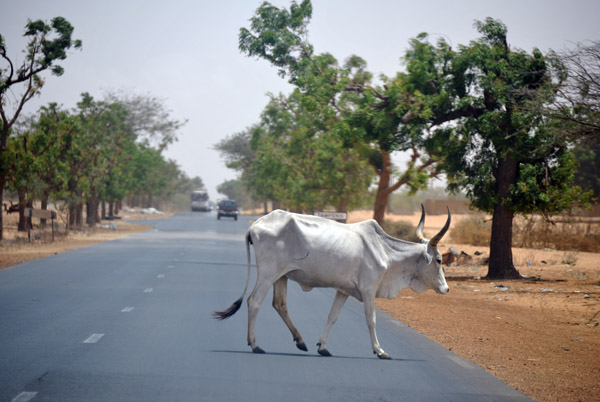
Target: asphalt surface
column 130, row 320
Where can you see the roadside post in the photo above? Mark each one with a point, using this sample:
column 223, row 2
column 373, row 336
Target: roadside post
column 42, row 214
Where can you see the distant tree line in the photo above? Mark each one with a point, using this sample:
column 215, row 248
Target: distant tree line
column 93, row 156
column 501, row 124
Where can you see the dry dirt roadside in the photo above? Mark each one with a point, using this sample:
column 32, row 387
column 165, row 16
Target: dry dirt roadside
column 15, row 248
column 541, row 335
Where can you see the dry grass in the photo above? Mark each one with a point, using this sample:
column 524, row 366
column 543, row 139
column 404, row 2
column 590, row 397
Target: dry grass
column 474, row 229
column 564, row 234
column 533, row 232
column 401, row 230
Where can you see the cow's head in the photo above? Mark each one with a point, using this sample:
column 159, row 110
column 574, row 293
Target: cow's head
column 430, row 273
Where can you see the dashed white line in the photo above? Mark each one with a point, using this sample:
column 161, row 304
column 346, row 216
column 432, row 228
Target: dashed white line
column 93, row 338
column 24, row 397
column 127, row 310
column 148, row 290
column 160, row 276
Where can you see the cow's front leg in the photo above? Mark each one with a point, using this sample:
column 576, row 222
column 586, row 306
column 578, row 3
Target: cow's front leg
column 336, row 308
column 369, row 305
column 280, row 304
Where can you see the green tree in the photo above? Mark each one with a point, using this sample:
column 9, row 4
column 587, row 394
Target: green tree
column 236, row 190
column 154, row 179
column 104, row 133
column 238, row 155
column 185, row 184
column 374, row 125
column 312, row 168
column 21, row 178
column 478, row 103
column 588, row 158
column 36, row 153
column 47, row 44
column 364, row 116
column 294, row 162
column 148, row 117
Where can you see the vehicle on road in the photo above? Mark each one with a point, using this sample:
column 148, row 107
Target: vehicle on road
column 200, row 201
column 227, row 208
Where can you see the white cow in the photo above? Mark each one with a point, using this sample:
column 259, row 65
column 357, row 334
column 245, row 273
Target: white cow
column 358, row 260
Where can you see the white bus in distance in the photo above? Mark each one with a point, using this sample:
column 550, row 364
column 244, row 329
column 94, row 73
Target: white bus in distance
column 200, row 200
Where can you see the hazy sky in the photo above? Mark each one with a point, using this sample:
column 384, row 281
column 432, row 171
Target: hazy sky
column 186, row 52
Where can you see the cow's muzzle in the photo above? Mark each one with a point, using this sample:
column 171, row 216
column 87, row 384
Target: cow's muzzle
column 443, row 290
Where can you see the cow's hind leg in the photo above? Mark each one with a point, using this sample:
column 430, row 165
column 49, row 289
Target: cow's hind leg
column 336, row 308
column 280, row 304
column 254, row 302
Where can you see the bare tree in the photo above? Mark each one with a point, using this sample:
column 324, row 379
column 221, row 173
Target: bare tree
column 578, row 100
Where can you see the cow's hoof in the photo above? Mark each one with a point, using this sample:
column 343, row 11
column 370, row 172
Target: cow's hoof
column 302, row 346
column 384, row 356
column 258, row 350
column 324, row 352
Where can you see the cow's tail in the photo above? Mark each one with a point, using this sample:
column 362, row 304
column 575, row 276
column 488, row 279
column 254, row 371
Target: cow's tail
column 221, row 315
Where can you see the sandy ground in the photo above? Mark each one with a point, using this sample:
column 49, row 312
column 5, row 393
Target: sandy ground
column 540, row 335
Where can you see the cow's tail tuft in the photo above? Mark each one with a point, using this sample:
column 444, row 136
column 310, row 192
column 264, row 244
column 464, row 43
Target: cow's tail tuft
column 221, row 315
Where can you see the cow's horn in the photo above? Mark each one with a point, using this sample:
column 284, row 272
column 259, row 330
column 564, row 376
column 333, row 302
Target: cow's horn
column 435, row 240
column 421, row 224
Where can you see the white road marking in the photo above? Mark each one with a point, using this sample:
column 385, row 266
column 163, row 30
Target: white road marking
column 171, row 266
column 148, row 290
column 94, row 338
column 24, row 397
column 160, row 276
column 127, row 309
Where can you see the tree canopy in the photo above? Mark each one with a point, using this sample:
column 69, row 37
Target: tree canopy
column 47, row 44
column 363, row 117
column 480, row 103
column 479, row 113
column 94, row 154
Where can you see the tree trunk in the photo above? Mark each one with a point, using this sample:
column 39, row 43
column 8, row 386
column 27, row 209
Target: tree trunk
column 343, row 206
column 79, row 216
column 501, row 262
column 29, row 204
column 22, row 219
column 92, row 211
column 383, row 189
column 2, row 181
column 71, row 221
column 44, row 203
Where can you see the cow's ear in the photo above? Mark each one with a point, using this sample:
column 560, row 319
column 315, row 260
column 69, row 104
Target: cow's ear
column 428, row 257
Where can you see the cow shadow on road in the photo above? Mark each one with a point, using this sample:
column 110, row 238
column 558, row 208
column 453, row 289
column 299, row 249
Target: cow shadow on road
column 309, row 355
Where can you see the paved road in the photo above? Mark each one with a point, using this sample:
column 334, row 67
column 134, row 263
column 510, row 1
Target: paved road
column 130, row 320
